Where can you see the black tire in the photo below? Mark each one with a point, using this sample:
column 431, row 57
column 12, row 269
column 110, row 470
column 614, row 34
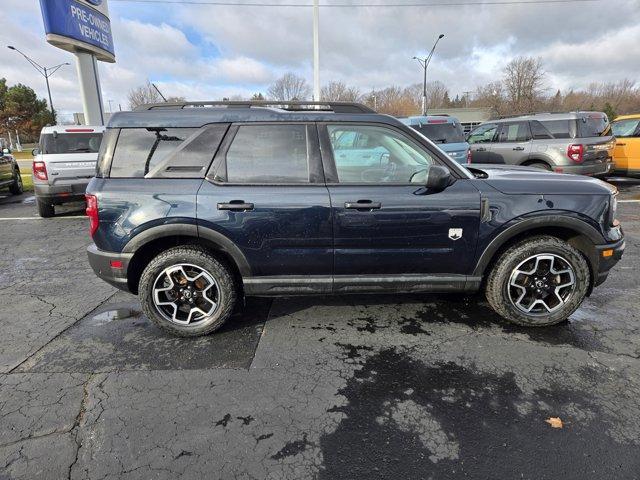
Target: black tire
column 202, row 259
column 540, row 165
column 16, row 187
column 497, row 287
column 45, row 210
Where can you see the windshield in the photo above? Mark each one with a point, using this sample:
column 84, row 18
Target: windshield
column 626, row 128
column 70, row 143
column 442, row 132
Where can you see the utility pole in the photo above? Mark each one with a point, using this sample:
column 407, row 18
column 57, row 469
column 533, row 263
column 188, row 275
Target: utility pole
column 424, row 62
column 466, row 98
column 316, row 50
column 46, row 72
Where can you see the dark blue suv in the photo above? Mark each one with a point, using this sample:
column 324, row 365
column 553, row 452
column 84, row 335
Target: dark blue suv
column 195, row 206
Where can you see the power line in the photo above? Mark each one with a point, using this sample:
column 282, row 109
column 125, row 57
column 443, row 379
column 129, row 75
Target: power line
column 359, row 5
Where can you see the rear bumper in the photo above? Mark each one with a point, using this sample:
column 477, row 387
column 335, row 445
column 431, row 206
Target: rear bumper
column 57, row 194
column 102, row 262
column 591, row 169
column 606, row 263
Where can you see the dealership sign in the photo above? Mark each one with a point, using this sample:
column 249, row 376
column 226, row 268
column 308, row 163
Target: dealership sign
column 79, row 25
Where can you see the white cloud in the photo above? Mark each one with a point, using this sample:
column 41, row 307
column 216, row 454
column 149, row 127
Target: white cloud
column 207, row 52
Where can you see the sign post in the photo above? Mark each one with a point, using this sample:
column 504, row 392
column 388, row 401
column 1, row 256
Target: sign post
column 83, row 28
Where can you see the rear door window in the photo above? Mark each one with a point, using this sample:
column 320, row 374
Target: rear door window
column 539, row 132
column 165, row 152
column 514, row 132
column 560, row 128
column 268, row 154
column 68, row 143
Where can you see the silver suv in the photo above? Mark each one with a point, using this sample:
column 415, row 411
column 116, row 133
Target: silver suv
column 63, row 164
column 575, row 142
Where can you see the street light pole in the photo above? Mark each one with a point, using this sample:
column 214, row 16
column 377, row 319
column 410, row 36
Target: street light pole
column 424, row 62
column 316, row 50
column 46, row 72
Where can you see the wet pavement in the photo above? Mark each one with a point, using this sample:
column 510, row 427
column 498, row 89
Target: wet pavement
column 417, row 386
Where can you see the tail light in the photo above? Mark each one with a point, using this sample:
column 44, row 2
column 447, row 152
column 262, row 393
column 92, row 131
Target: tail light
column 468, row 156
column 40, row 171
column 576, row 153
column 92, row 213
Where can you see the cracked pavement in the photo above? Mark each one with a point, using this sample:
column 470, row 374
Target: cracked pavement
column 418, row 386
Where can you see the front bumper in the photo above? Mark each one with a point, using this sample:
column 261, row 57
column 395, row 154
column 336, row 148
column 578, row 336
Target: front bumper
column 58, row 194
column 614, row 253
column 103, row 265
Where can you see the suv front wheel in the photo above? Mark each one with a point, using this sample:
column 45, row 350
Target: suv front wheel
column 538, row 282
column 187, row 292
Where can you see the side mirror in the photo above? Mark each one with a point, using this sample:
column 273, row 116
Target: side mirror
column 438, row 178
column 35, row 152
column 6, row 151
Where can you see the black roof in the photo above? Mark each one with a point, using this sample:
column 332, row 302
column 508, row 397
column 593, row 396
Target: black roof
column 198, row 114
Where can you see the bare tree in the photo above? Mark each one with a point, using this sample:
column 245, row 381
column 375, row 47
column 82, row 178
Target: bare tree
column 147, row 94
column 396, row 101
column 491, row 96
column 523, row 82
column 437, row 94
column 289, row 87
column 339, row 92
column 143, row 94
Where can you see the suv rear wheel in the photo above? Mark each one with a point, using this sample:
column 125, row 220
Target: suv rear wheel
column 187, row 292
column 16, row 187
column 45, row 210
column 538, row 282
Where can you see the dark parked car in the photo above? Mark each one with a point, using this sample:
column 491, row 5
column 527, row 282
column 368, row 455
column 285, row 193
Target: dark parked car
column 573, row 142
column 10, row 177
column 194, row 208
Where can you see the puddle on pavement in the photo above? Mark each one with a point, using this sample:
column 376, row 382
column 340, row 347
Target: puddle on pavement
column 111, row 315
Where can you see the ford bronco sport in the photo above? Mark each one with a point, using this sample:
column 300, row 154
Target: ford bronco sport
column 195, row 208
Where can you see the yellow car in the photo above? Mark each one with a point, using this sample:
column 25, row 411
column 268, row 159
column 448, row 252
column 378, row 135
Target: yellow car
column 626, row 154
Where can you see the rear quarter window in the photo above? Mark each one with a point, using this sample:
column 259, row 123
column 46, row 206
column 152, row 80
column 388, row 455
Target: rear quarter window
column 165, row 152
column 560, row 128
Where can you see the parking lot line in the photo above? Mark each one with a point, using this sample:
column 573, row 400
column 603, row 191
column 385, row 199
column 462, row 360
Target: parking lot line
column 40, row 218
column 629, row 201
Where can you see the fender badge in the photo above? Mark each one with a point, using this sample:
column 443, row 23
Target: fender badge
column 455, row 234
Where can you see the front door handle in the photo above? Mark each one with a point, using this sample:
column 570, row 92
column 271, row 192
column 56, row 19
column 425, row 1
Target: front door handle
column 621, row 144
column 481, row 149
column 363, row 205
column 518, row 149
column 236, row 206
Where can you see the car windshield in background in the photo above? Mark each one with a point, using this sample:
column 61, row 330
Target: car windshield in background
column 592, row 126
column 70, row 143
column 626, row 128
column 442, row 132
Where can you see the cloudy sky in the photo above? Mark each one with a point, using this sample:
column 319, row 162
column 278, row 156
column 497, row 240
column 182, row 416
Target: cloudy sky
column 207, row 52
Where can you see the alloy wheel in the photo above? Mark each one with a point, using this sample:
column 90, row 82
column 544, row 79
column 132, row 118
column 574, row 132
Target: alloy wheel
column 541, row 284
column 185, row 294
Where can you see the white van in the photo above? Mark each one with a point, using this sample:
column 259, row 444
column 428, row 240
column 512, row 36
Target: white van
column 63, row 164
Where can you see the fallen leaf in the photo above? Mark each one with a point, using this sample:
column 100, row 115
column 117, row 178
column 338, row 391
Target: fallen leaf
column 555, row 422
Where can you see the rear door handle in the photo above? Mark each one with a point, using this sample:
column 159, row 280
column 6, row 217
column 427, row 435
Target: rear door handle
column 621, row 144
column 481, row 149
column 236, row 206
column 363, row 205
column 518, row 149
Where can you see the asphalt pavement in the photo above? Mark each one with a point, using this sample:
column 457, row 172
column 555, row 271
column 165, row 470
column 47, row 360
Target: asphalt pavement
column 353, row 387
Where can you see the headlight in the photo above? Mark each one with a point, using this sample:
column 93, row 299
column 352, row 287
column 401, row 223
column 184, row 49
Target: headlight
column 613, row 211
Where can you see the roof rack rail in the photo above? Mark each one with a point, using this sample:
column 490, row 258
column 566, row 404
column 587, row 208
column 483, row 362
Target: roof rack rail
column 336, row 107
